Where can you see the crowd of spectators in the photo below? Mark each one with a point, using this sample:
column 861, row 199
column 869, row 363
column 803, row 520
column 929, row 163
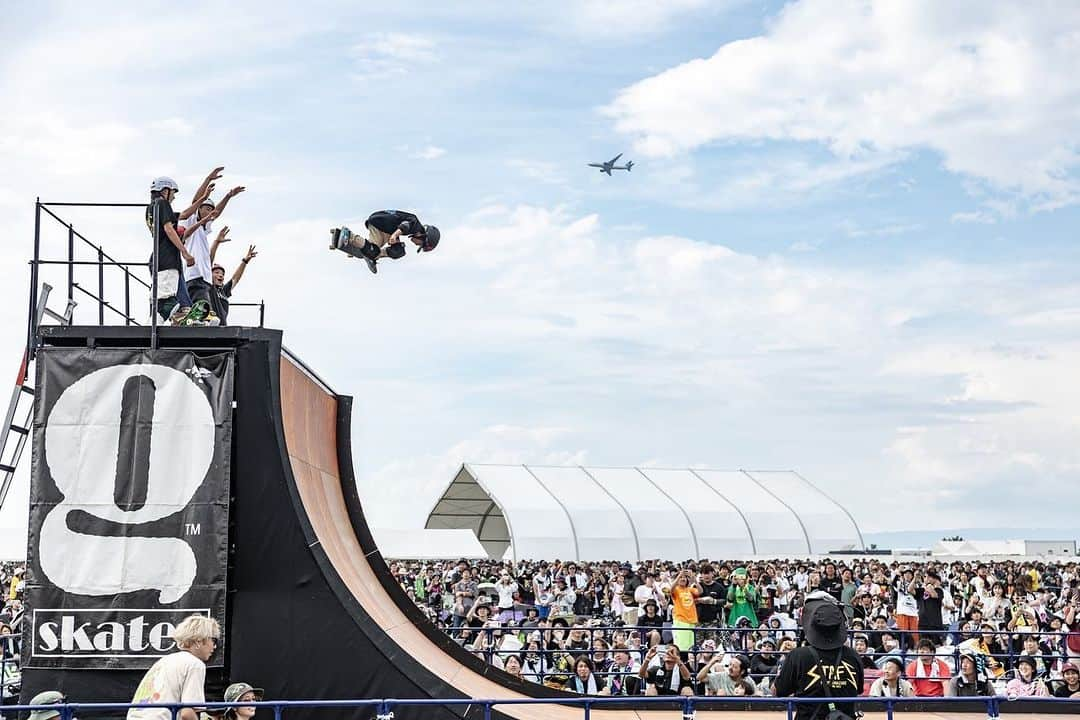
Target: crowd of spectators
column 724, row 628
column 11, row 617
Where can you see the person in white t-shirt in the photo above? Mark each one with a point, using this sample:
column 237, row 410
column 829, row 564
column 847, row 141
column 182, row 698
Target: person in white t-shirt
column 907, row 609
column 646, row 592
column 506, row 587
column 179, row 677
column 199, row 276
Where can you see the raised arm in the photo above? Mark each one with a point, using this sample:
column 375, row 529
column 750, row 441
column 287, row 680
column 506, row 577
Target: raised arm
column 222, row 237
column 704, row 671
column 643, row 672
column 239, row 272
column 207, row 185
column 229, row 196
column 199, row 200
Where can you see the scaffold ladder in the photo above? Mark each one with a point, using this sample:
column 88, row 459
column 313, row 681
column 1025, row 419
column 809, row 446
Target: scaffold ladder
column 10, row 461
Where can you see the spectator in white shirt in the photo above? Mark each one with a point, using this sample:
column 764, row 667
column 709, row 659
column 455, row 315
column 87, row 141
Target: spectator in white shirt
column 506, row 588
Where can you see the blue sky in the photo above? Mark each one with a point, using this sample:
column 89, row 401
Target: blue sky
column 847, row 246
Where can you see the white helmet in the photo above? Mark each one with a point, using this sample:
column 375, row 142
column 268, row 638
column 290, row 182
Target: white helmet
column 162, row 183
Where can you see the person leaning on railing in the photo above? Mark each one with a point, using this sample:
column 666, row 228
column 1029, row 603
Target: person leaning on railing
column 585, row 681
column 623, row 673
column 1069, row 687
column 972, row 679
column 891, row 684
column 670, row 677
column 1026, row 684
column 242, row 692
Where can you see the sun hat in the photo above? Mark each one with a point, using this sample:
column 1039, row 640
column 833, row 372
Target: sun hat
column 824, row 621
column 234, row 692
column 49, row 697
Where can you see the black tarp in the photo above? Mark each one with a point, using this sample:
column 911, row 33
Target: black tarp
column 129, row 504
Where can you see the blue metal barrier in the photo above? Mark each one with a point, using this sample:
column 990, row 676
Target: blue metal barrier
column 383, row 707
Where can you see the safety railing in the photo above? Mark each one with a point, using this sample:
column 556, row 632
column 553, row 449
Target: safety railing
column 10, row 673
column 131, row 295
column 540, row 664
column 383, row 708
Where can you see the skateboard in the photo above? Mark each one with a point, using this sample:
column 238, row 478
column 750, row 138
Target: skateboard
column 200, row 309
column 341, row 239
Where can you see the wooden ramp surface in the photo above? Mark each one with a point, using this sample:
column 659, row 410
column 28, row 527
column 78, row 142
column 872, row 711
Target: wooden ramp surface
column 309, row 415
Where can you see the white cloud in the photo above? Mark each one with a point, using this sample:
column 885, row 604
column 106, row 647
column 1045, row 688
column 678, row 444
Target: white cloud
column 431, row 152
column 545, row 171
column 988, row 86
column 392, row 54
column 174, row 126
column 854, row 230
column 606, row 18
column 981, row 217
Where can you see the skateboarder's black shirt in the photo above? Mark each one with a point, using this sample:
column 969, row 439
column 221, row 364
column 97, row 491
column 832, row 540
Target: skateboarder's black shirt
column 168, row 254
column 219, row 300
column 390, row 220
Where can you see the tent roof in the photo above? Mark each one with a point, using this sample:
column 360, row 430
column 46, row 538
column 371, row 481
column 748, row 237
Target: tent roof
column 425, row 544
column 640, row 513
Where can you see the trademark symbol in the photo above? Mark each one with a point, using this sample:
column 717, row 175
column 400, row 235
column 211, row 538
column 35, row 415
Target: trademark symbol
column 192, row 528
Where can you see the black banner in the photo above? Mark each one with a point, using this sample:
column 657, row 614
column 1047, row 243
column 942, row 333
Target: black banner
column 129, row 504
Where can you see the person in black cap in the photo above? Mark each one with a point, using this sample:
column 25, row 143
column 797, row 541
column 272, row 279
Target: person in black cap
column 826, row 659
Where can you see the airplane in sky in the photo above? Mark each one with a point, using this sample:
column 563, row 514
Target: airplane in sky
column 610, row 165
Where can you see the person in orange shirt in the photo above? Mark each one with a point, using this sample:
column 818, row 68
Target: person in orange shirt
column 684, row 616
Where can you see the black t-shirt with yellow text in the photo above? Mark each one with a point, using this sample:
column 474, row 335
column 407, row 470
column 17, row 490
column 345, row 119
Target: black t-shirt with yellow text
column 805, row 670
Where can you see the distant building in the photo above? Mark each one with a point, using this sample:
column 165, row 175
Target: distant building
column 1015, row 548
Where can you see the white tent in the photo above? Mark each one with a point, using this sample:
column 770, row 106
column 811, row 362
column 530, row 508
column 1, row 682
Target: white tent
column 417, row 544
column 639, row 513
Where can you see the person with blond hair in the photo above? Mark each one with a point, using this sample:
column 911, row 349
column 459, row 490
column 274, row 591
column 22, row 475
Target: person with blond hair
column 179, row 677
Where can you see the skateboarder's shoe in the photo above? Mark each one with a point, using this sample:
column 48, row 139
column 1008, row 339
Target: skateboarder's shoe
column 335, row 234
column 371, row 264
column 370, row 250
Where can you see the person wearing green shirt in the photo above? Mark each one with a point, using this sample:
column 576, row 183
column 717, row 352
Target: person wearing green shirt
column 743, row 598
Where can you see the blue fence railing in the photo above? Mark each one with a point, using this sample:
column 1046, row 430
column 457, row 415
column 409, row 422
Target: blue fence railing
column 383, row 709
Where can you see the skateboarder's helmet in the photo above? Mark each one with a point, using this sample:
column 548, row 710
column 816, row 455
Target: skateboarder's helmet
column 162, row 183
column 431, row 238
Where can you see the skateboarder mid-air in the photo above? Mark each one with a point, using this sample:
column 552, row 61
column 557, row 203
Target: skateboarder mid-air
column 386, row 230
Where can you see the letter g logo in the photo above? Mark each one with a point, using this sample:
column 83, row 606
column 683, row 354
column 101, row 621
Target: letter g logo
column 82, row 449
